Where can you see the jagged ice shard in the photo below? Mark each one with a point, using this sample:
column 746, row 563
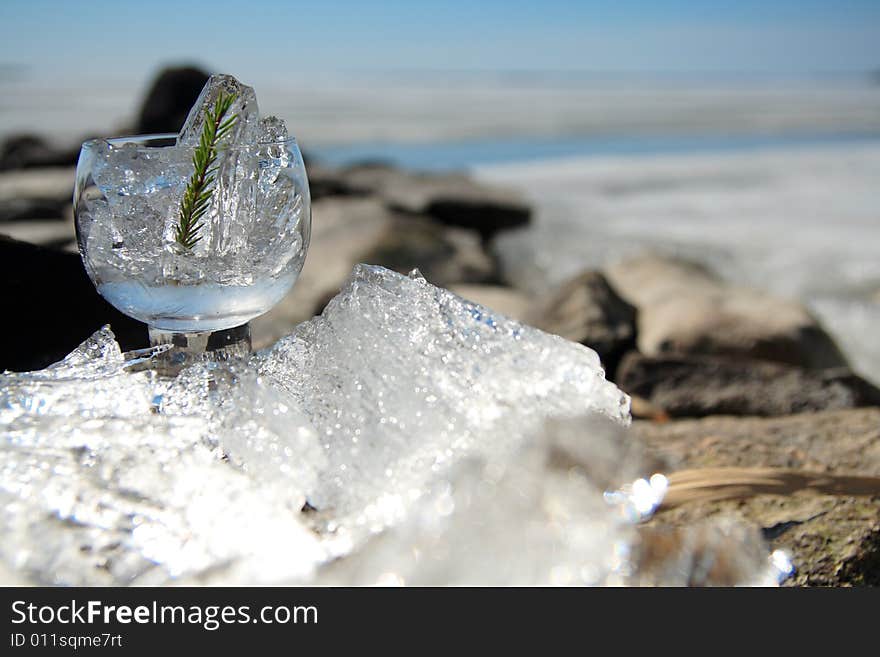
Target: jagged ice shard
column 253, row 236
column 401, row 378
column 404, row 417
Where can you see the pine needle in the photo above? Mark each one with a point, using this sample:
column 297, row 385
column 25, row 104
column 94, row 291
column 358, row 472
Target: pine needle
column 197, row 197
column 715, row 484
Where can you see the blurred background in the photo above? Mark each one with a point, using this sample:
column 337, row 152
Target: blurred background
column 476, row 83
column 739, row 142
column 690, row 188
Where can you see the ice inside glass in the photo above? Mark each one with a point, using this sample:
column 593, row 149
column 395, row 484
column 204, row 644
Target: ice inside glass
column 252, row 239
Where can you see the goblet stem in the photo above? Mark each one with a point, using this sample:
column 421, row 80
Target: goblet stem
column 198, row 347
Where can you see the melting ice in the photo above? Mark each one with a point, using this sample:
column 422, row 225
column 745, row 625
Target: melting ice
column 405, row 435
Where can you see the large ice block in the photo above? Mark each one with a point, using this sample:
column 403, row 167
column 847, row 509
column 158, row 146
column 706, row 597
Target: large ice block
column 401, row 379
column 402, row 410
column 535, row 518
column 109, row 476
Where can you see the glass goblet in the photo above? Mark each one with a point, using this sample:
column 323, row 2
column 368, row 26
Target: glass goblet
column 247, row 251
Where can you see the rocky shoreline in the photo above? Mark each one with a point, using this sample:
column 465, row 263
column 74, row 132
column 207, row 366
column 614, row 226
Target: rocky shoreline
column 681, row 341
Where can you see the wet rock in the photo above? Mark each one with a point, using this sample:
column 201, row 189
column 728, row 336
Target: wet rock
column 51, row 307
column 586, row 309
column 453, row 199
column 832, row 540
column 169, row 100
column 31, row 151
column 444, row 255
column 696, row 386
column 683, row 308
column 725, row 552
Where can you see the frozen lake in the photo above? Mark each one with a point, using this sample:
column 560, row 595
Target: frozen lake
column 801, row 222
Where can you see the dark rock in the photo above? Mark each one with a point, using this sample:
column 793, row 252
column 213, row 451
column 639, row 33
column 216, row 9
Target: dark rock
column 486, row 216
column 586, row 309
column 444, row 255
column 832, row 540
column 24, row 209
column 325, row 182
column 169, row 100
column 683, row 308
column 696, row 386
column 52, row 306
column 30, row 151
column 450, row 198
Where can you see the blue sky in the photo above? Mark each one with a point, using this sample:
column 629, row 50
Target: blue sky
column 97, row 38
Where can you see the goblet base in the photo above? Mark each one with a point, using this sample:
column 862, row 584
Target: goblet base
column 199, row 347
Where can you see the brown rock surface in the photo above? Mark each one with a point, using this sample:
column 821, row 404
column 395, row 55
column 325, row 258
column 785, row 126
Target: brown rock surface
column 586, row 309
column 832, row 540
column 683, row 308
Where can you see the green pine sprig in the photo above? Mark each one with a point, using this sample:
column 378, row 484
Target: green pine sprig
column 197, row 197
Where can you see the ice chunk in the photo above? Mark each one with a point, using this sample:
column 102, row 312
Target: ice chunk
column 127, row 170
column 535, row 518
column 85, row 384
column 233, row 204
column 244, row 107
column 403, row 410
column 114, row 501
column 109, row 476
column 282, row 197
column 401, row 379
column 272, row 129
column 232, row 212
column 274, row 158
column 254, row 423
column 125, row 227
